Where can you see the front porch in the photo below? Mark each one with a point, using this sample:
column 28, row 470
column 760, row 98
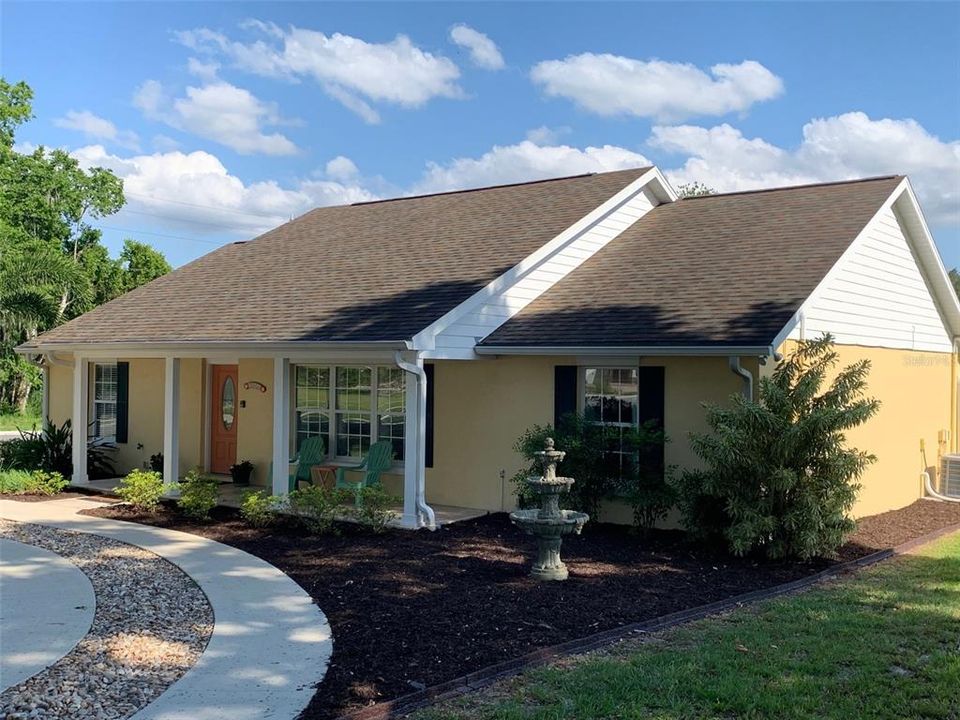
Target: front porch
column 231, row 495
column 209, row 410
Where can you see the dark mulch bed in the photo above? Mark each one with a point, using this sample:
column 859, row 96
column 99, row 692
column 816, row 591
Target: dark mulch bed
column 45, row 498
column 414, row 609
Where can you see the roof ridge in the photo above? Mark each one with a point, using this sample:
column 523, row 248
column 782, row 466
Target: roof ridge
column 495, row 187
column 794, row 187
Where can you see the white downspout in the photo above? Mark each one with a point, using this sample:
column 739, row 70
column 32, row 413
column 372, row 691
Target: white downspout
column 416, row 368
column 743, row 373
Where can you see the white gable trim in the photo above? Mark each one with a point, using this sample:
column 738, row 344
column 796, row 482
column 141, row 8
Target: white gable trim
column 456, row 333
column 937, row 312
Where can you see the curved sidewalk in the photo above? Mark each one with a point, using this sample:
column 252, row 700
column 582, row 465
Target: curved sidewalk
column 46, row 607
column 270, row 643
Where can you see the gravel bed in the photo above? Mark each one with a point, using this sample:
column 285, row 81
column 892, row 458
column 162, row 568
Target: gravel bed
column 151, row 624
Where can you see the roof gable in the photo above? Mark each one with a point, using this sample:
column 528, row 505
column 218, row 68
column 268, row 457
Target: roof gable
column 370, row 272
column 721, row 270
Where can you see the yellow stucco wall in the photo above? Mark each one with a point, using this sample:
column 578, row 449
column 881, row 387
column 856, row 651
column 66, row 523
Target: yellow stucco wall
column 914, row 389
column 482, row 407
column 146, row 411
column 60, row 393
column 255, row 421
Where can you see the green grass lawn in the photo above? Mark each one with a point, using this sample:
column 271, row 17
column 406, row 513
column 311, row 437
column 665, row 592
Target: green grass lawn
column 12, row 422
column 884, row 643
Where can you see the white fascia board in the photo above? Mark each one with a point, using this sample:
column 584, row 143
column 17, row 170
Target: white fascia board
column 635, row 350
column 931, row 264
column 922, row 242
column 426, row 338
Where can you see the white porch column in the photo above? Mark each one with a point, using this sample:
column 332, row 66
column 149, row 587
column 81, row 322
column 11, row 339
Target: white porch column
column 281, row 426
column 81, row 383
column 411, row 453
column 171, row 420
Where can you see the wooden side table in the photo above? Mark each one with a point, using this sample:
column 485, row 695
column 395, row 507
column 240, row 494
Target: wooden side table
column 325, row 475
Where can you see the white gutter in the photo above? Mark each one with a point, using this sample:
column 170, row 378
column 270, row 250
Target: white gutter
column 416, row 368
column 745, row 374
column 52, row 359
column 658, row 351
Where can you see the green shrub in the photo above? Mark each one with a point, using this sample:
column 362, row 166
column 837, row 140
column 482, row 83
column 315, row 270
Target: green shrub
column 198, row 495
column 779, row 478
column 142, row 489
column 51, row 449
column 15, row 482
column 592, row 461
column 646, row 484
column 259, row 509
column 316, row 506
column 38, row 482
column 373, row 508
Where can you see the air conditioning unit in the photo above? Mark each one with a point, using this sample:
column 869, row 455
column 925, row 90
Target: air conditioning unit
column 950, row 476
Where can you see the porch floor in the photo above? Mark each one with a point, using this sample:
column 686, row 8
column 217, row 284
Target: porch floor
column 231, row 495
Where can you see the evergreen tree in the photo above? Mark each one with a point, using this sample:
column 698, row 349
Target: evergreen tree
column 779, row 476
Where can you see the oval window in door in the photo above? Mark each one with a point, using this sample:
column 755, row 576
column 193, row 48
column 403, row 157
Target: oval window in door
column 227, row 403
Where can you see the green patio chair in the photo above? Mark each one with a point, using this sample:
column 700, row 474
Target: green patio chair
column 379, row 458
column 313, row 451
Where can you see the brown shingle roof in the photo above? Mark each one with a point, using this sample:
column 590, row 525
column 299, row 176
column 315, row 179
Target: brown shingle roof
column 717, row 270
column 358, row 273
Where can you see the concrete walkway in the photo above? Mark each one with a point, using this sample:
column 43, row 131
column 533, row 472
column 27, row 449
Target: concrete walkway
column 270, row 643
column 46, row 607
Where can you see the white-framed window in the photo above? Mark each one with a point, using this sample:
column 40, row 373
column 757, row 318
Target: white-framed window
column 104, row 405
column 611, row 398
column 351, row 407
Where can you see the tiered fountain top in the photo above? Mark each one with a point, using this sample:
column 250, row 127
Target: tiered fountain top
column 549, row 457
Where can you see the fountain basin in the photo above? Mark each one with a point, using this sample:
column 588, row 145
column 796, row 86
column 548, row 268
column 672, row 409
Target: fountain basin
column 549, row 532
column 567, row 523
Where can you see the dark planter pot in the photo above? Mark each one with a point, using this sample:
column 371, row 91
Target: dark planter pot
column 241, row 476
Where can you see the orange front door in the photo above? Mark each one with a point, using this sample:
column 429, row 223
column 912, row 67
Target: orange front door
column 223, row 418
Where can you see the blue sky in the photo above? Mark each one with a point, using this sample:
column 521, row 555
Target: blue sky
column 227, row 118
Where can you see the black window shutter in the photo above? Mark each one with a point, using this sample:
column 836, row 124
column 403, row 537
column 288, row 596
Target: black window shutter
column 564, row 391
column 123, row 400
column 428, row 453
column 652, row 405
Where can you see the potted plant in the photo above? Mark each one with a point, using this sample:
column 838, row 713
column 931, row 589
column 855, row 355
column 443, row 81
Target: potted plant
column 241, row 472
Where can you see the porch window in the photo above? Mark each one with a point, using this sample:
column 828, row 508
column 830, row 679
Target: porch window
column 312, row 403
column 611, row 399
column 104, row 401
column 351, row 407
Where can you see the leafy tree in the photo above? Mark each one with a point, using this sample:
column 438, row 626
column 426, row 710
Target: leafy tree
column 694, row 189
column 955, row 279
column 53, row 266
column 779, row 477
column 141, row 264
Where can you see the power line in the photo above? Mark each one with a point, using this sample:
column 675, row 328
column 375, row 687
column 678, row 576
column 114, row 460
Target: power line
column 164, row 235
column 221, row 208
column 191, row 221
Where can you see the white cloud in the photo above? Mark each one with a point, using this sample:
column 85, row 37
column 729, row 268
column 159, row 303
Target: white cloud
column 834, row 148
column 349, row 69
column 203, row 70
column 165, row 143
column 98, row 128
column 196, row 193
column 483, row 51
column 218, row 111
column 342, row 168
column 525, row 161
column 544, row 135
column 615, row 85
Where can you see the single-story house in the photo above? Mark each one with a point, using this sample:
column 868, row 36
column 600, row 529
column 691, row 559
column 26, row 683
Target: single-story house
column 449, row 323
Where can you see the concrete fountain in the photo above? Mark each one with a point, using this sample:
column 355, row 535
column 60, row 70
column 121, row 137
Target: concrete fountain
column 549, row 523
